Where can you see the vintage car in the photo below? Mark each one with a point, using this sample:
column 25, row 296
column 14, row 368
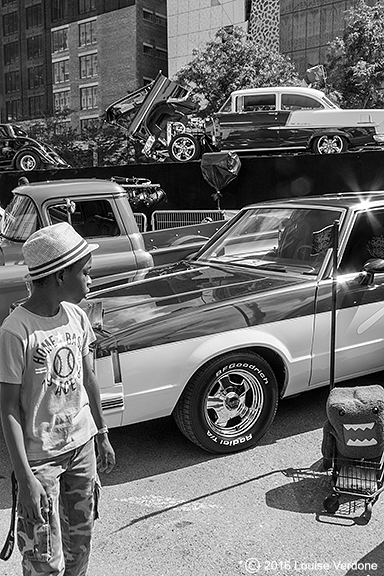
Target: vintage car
column 282, row 119
column 160, row 118
column 216, row 340
column 292, row 118
column 20, row 152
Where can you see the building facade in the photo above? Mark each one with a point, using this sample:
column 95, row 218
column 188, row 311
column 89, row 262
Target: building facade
column 79, row 55
column 300, row 29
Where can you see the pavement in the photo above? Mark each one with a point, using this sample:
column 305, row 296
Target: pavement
column 171, row 509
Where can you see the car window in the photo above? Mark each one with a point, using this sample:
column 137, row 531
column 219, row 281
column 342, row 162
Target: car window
column 90, row 219
column 259, row 102
column 299, row 102
column 365, row 242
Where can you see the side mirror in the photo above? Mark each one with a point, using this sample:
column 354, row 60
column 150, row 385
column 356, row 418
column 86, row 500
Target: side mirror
column 370, row 268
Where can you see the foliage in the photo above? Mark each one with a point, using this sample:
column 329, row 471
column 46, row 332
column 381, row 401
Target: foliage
column 99, row 145
column 232, row 61
column 355, row 63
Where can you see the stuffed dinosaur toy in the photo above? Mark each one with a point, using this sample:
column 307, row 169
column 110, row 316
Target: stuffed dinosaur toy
column 355, row 425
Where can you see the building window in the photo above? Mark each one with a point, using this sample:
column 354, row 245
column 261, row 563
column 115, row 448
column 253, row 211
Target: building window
column 34, row 46
column 61, row 100
column 148, row 50
column 10, row 23
column 60, row 72
column 88, row 66
column 7, row 2
column 147, row 15
column 34, row 16
column 11, row 52
column 60, row 40
column 59, row 9
column 161, row 53
column 88, row 123
column 88, row 98
column 12, row 81
column 35, row 77
column 160, row 20
column 86, row 6
column 87, row 33
column 12, row 110
column 36, row 106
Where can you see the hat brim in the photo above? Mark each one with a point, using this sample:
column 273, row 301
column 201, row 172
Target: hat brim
column 63, row 263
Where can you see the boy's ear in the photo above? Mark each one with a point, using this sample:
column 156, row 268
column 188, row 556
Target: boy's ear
column 60, row 276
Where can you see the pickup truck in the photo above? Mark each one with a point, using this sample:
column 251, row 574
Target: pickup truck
column 99, row 210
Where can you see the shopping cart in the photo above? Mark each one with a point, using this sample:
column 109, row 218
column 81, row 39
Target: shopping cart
column 361, row 478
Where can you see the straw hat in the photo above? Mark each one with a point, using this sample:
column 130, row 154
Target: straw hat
column 52, row 248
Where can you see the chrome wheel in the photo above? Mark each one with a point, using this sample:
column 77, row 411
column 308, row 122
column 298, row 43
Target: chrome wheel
column 27, row 162
column 330, row 145
column 184, row 148
column 234, row 403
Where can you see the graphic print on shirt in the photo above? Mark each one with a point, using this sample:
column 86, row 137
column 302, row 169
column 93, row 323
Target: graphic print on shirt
column 58, row 357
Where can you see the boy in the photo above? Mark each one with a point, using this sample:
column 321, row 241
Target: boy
column 50, row 406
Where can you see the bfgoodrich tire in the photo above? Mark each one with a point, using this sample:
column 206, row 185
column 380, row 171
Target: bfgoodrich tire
column 229, row 403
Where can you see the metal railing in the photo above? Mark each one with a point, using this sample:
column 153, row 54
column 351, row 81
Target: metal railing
column 162, row 219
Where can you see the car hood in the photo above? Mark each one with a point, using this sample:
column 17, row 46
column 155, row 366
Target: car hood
column 188, row 300
column 136, row 110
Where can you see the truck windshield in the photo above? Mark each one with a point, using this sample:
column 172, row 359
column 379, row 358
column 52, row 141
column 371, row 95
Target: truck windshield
column 20, row 219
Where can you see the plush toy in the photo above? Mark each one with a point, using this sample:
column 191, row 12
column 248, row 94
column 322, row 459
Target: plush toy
column 355, row 425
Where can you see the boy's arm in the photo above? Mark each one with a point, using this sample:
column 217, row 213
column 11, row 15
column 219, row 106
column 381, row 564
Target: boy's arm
column 106, row 452
column 32, row 496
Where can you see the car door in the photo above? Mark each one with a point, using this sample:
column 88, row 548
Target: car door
column 359, row 308
column 297, row 136
column 255, row 124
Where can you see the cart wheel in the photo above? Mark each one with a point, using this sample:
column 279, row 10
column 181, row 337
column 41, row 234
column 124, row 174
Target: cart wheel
column 331, row 504
column 366, row 516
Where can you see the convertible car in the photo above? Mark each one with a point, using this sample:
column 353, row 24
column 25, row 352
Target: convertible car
column 219, row 339
column 161, row 118
column 19, row 152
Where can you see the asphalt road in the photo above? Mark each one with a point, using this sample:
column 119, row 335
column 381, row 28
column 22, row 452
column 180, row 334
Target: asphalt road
column 170, row 509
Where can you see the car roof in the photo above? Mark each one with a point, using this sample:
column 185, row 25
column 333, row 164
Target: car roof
column 41, row 191
column 351, row 200
column 285, row 89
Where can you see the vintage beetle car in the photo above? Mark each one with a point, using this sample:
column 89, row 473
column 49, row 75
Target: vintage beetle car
column 19, row 152
column 217, row 339
column 292, row 118
column 159, row 116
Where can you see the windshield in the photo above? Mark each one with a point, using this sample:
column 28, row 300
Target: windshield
column 20, row 219
column 276, row 238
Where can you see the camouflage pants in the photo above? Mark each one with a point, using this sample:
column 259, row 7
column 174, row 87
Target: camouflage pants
column 72, row 485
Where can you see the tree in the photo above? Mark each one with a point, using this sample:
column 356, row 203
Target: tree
column 355, row 63
column 232, row 61
column 100, row 144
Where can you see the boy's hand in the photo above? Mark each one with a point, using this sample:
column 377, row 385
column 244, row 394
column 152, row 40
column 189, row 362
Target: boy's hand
column 106, row 456
column 33, row 500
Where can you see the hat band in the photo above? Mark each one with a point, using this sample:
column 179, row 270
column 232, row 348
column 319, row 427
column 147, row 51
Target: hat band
column 76, row 253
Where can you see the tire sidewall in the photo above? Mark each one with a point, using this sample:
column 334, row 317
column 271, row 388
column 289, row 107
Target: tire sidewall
column 208, row 436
